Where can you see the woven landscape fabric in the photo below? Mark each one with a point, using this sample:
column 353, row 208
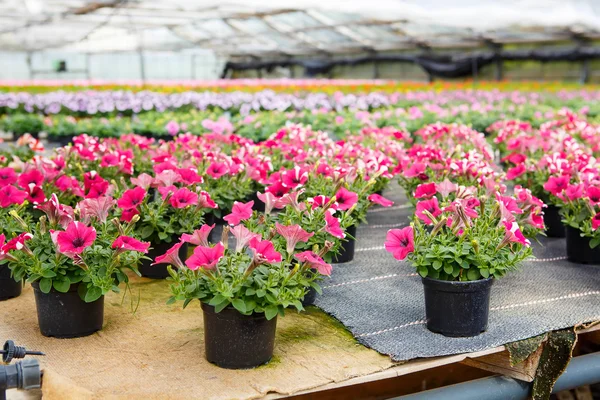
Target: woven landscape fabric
column 380, row 300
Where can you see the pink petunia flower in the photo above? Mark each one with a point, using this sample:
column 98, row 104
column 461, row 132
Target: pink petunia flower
column 333, row 227
column 264, row 251
column 98, row 189
column 269, row 199
column 17, row 243
column 189, row 176
column 131, row 244
column 127, row 215
column 36, row 195
column 294, row 177
column 132, row 198
column 57, row 213
column 345, row 199
column 446, row 187
column 75, row 239
column 172, row 128
column 33, row 177
column 10, row 195
column 167, row 178
column 379, row 199
column 7, row 176
column 97, row 208
column 205, row 257
column 183, row 197
column 143, row 180
column 593, row 193
column 515, row 172
column 239, row 212
column 430, row 205
column 204, row 200
column 292, row 235
column 574, row 192
column 199, row 237
column 400, row 242
column 315, row 262
column 217, row 170
column 513, row 234
column 425, row 191
column 596, row 221
column 556, row 185
column 171, row 256
column 243, row 236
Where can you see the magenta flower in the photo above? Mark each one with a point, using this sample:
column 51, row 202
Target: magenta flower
column 183, row 197
column 320, row 201
column 127, row 215
column 166, row 190
column 36, row 195
column 378, row 199
column 217, row 170
column 333, row 227
column 345, row 199
column 98, row 208
column 172, row 128
column 400, row 242
column 556, row 185
column 427, row 205
column 515, row 172
column 10, row 195
column 33, row 177
column 593, row 193
column 171, row 257
column 98, row 189
column 596, row 221
column 264, row 251
column 131, row 244
column 269, row 199
column 7, row 176
column 199, row 237
column 239, row 212
column 574, row 192
column 205, row 257
column 110, row 160
column 57, row 213
column 292, row 235
column 294, row 177
column 425, row 191
column 16, row 243
column 535, row 220
column 415, row 170
column 513, row 234
column 132, row 198
column 204, row 201
column 75, row 239
column 189, row 176
column 167, row 178
column 143, row 180
column 243, row 236
column 315, row 262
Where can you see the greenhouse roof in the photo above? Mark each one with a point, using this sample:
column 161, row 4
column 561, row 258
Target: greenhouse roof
column 276, row 28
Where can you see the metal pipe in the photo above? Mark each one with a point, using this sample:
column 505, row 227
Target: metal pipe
column 582, row 370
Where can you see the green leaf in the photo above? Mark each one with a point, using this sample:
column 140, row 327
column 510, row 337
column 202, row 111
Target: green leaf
column 437, row 264
column 61, row 285
column 473, row 274
column 45, row 285
column 220, row 307
column 92, row 294
column 146, row 231
column 271, row 312
column 47, row 273
column 484, row 272
column 594, row 242
column 448, row 269
column 423, row 271
column 239, row 305
column 162, row 236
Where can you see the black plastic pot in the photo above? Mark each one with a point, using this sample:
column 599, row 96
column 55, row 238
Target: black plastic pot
column 63, row 140
column 310, row 297
column 9, row 288
column 236, row 341
column 578, row 248
column 216, row 233
column 159, row 271
column 552, row 220
column 258, row 203
column 457, row 309
column 65, row 315
column 347, row 249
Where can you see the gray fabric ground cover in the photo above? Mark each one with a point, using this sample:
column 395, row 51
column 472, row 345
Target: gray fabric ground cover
column 380, row 300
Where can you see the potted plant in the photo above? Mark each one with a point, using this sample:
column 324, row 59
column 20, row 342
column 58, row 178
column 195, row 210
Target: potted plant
column 460, row 242
column 72, row 264
column 581, row 214
column 163, row 217
column 243, row 289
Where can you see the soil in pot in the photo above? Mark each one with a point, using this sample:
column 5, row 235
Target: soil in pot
column 236, row 341
column 347, row 249
column 65, row 315
column 9, row 288
column 457, row 309
column 578, row 248
column 552, row 220
column 159, row 271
